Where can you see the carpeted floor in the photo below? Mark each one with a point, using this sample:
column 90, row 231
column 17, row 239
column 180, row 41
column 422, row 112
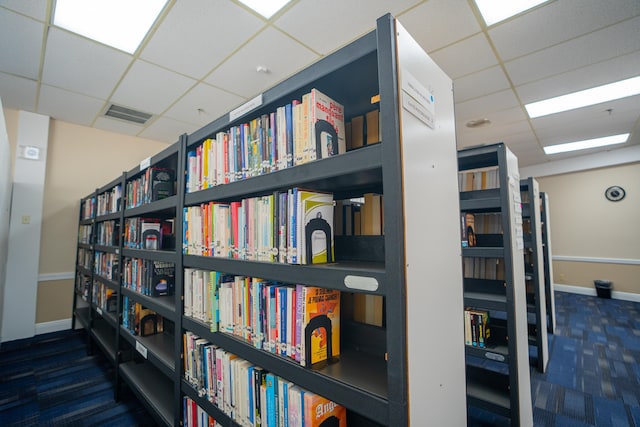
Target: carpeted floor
column 49, row 380
column 593, row 376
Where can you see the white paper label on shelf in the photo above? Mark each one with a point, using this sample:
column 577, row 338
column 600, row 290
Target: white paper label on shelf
column 99, row 310
column 245, row 108
column 145, row 163
column 361, row 282
column 141, row 349
column 494, row 356
column 417, row 99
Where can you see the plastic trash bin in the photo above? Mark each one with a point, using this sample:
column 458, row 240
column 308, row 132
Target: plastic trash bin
column 603, row 288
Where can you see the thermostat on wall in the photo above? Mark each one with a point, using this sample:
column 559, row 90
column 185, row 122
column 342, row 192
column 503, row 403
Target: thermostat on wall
column 29, row 152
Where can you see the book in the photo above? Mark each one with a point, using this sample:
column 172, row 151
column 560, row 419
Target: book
column 357, row 132
column 373, row 127
column 318, row 410
column 326, row 126
column 314, row 230
column 320, row 325
column 467, row 231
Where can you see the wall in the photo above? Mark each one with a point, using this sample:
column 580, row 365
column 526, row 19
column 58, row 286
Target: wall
column 591, row 237
column 5, row 202
column 79, row 160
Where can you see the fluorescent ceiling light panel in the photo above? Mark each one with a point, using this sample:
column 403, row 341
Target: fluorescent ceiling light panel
column 494, row 11
column 265, row 8
column 589, row 143
column 118, row 23
column 584, row 98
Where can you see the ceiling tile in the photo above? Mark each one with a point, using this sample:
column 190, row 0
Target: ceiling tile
column 437, row 23
column 481, row 83
column 68, row 106
column 490, row 134
column 197, row 35
column 149, row 88
column 212, row 102
column 20, row 44
column 34, row 8
column 613, row 70
column 18, row 93
column 80, row 65
column 465, row 57
column 118, row 126
column 617, row 40
column 327, row 25
column 563, row 20
column 167, row 130
column 478, row 107
column 238, row 74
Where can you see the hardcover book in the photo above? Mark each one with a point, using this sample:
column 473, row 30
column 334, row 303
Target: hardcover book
column 320, row 325
column 322, row 412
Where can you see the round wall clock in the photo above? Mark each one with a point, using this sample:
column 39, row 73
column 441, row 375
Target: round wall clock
column 614, row 193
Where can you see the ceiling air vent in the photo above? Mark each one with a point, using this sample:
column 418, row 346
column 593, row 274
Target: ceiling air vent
column 127, row 114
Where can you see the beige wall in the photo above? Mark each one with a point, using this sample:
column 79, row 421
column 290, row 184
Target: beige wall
column 586, row 225
column 79, row 159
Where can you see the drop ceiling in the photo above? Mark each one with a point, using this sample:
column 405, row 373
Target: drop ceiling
column 201, row 57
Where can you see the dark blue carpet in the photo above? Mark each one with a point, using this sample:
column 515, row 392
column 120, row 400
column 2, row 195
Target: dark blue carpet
column 593, row 375
column 50, row 380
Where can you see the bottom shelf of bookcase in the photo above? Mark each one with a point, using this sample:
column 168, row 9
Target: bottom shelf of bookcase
column 105, row 336
column 152, row 388
column 488, row 390
column 83, row 316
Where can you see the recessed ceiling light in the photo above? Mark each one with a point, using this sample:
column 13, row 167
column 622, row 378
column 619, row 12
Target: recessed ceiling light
column 589, row 143
column 494, row 11
column 584, row 98
column 266, row 8
column 122, row 24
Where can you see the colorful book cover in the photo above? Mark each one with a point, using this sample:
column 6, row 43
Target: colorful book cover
column 318, row 409
column 320, row 325
column 314, row 220
column 327, row 131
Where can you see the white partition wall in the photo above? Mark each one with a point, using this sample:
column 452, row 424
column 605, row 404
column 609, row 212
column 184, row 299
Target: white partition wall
column 5, row 202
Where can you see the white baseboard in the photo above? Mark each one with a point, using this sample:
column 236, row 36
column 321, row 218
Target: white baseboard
column 572, row 289
column 54, row 326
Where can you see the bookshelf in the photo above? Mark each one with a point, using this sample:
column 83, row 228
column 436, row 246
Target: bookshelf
column 152, row 221
column 498, row 377
column 548, row 262
column 380, row 377
column 534, row 271
column 84, row 265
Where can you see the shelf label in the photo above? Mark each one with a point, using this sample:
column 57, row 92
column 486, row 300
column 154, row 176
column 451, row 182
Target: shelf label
column 99, row 310
column 417, row 99
column 494, row 356
column 145, row 163
column 141, row 349
column 245, row 108
column 360, row 282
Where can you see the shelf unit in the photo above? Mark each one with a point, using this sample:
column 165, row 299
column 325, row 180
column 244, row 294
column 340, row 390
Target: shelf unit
column 386, row 375
column 81, row 314
column 498, row 378
column 548, row 262
column 153, row 370
column 534, row 272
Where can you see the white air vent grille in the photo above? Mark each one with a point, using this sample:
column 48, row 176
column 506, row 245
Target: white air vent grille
column 127, row 114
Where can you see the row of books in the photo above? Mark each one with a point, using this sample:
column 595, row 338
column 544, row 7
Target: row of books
column 488, row 223
column 194, row 416
column 274, row 317
column 104, row 297
column 363, row 216
column 84, row 234
column 483, row 268
column 109, row 201
column 154, row 184
column 250, row 395
column 363, row 130
column 479, row 179
column 108, row 233
column 87, row 208
column 296, row 133
column 85, row 257
column 106, row 265
column 476, row 327
column 82, row 285
column 146, row 233
column 139, row 320
column 148, row 277
column 293, row 227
